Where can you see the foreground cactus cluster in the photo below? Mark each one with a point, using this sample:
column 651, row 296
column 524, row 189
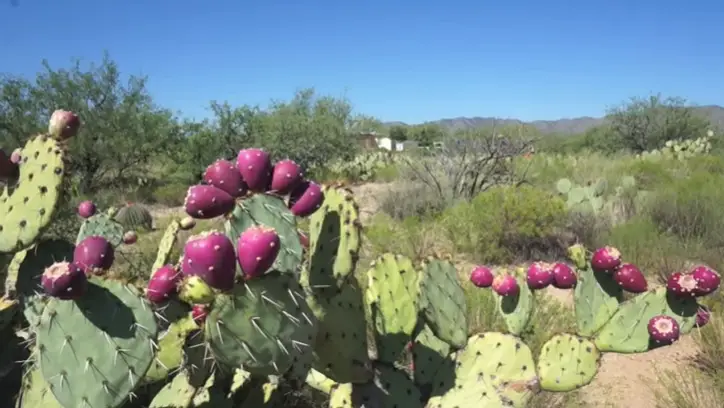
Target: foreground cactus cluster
column 261, row 304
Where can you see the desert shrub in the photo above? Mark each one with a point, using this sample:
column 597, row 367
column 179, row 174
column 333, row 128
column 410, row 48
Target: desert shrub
column 686, row 388
column 411, row 200
column 649, row 174
column 507, row 223
column 171, row 194
column 411, row 237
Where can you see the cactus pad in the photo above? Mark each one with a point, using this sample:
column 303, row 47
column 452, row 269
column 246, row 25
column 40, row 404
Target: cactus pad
column 170, row 353
column 335, row 237
column 627, row 330
column 516, row 310
column 269, row 211
column 35, row 391
column 442, row 301
column 493, row 370
column 166, row 245
column 390, row 388
column 29, row 208
column 101, row 225
column 429, row 355
column 596, row 299
column 262, row 325
column 392, row 299
column 341, row 347
column 94, row 351
column 567, row 362
column 178, row 393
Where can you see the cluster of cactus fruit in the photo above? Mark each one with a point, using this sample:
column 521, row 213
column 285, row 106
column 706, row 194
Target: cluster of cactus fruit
column 364, row 167
column 681, row 148
column 261, row 303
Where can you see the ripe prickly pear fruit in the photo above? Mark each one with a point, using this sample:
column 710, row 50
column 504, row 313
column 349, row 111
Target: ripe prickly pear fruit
column 195, row 291
column 206, row 202
column 63, row 124
column 163, row 284
column 663, row 329
column 682, row 284
column 285, row 176
column 16, row 156
column 630, row 278
column 210, row 256
column 564, row 277
column 64, row 280
column 506, row 285
column 703, row 315
column 94, row 254
column 539, row 275
column 223, row 175
column 130, row 237
column 606, row 259
column 257, row 249
column 187, row 223
column 482, row 277
column 306, row 198
column 199, row 313
column 707, row 280
column 86, row 209
column 255, row 168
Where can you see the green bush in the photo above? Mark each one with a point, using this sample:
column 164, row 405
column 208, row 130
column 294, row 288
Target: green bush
column 505, row 224
column 172, row 194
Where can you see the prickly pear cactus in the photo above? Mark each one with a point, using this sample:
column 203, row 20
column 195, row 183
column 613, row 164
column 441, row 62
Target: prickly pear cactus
column 392, row 299
column 166, row 245
column 28, row 208
column 429, row 356
column 94, row 351
column 627, row 331
column 517, row 310
column 101, row 225
column 567, row 362
column 269, row 211
column 263, row 325
column 442, row 301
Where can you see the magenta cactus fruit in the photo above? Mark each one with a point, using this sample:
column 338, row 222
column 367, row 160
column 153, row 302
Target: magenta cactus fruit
column 286, row 175
column 563, row 276
column 539, row 275
column 482, row 277
column 663, row 329
column 257, row 249
column 703, row 315
column 211, row 257
column 130, row 237
column 630, row 278
column 306, row 198
column 199, row 313
column 223, row 175
column 64, row 280
column 506, row 285
column 63, row 124
column 707, row 280
column 206, row 202
column 86, row 209
column 606, row 259
column 163, row 284
column 255, row 168
column 682, row 284
column 16, row 156
column 94, row 254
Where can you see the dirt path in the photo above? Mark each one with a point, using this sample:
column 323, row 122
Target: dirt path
column 623, row 380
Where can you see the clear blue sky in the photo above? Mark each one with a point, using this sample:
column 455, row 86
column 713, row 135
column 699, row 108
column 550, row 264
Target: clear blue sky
column 397, row 60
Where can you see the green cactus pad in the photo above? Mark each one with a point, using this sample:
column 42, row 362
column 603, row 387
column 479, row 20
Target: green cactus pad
column 320, row 382
column 262, row 325
column 627, row 331
column 341, row 395
column 29, row 208
column 198, row 359
column 516, row 310
column 101, row 225
column 442, row 302
column 335, row 238
column 341, row 348
column 269, row 211
column 429, row 356
column 94, row 351
column 134, row 216
column 567, row 362
column 180, row 393
column 166, row 245
column 170, row 353
column 35, row 392
column 392, row 299
column 564, row 185
column 596, row 299
column 494, row 369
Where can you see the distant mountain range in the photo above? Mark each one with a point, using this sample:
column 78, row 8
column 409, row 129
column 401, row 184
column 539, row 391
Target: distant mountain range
column 564, row 126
